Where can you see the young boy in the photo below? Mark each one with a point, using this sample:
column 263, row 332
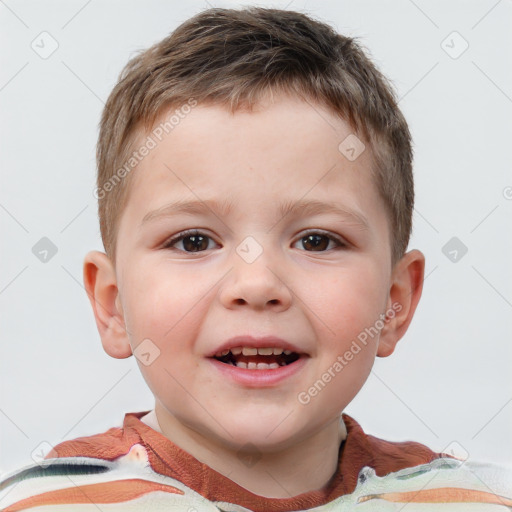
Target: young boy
column 255, row 201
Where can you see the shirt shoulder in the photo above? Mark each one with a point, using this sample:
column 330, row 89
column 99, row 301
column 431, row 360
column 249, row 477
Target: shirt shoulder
column 392, row 456
column 107, row 445
column 382, row 455
column 111, row 468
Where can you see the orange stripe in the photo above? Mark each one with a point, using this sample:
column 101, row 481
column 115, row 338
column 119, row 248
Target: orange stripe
column 117, row 491
column 441, row 495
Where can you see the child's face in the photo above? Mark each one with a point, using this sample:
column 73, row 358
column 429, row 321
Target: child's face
column 254, row 272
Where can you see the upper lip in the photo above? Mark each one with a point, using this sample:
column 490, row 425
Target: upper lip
column 256, row 342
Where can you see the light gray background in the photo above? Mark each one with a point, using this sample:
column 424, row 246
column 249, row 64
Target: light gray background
column 448, row 382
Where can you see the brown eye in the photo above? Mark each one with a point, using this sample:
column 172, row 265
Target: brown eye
column 319, row 242
column 193, row 241
column 315, row 242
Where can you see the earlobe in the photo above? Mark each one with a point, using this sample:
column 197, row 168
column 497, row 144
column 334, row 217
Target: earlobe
column 404, row 295
column 101, row 287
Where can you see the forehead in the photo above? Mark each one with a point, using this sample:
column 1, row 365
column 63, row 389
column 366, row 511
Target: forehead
column 277, row 128
column 285, row 147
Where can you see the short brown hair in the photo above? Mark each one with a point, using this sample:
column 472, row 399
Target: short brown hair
column 233, row 57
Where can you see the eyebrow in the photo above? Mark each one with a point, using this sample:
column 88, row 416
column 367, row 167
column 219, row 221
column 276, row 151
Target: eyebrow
column 303, row 208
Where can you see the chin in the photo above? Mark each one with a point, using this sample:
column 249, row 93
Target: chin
column 268, row 434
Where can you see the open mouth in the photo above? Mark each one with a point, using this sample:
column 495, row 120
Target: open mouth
column 257, row 359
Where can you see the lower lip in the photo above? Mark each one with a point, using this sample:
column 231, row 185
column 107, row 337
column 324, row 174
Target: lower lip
column 259, row 378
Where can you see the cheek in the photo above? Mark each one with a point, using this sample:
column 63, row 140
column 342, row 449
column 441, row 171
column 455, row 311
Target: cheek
column 351, row 303
column 160, row 305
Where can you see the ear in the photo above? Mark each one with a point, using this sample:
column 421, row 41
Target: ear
column 101, row 287
column 404, row 295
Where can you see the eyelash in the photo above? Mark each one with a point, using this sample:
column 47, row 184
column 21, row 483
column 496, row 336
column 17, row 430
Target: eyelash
column 194, row 232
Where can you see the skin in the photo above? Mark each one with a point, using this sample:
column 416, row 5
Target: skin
column 188, row 303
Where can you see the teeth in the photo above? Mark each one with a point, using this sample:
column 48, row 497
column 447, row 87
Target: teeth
column 257, row 366
column 265, row 366
column 251, row 351
column 265, row 351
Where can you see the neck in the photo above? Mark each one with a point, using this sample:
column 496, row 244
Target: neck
column 279, row 474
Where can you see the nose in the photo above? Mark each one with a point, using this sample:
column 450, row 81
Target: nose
column 258, row 283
